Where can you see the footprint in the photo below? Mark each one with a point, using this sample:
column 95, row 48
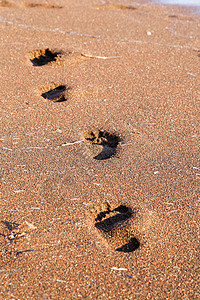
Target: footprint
column 116, row 6
column 113, row 225
column 48, row 56
column 109, row 141
column 182, row 18
column 44, row 57
column 38, row 5
column 12, row 239
column 197, row 52
column 55, row 92
column 7, row 250
column 5, row 3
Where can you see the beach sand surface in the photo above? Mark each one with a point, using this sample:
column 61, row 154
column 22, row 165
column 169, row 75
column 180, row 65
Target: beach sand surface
column 99, row 142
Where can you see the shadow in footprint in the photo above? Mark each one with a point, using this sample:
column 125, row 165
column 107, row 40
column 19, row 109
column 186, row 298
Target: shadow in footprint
column 109, row 141
column 43, row 57
column 56, row 94
column 106, row 153
column 112, row 224
column 9, row 225
column 121, row 214
column 131, row 246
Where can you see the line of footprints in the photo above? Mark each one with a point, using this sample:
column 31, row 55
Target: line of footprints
column 112, row 223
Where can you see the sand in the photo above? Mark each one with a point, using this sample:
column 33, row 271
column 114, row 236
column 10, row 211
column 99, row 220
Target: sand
column 99, row 150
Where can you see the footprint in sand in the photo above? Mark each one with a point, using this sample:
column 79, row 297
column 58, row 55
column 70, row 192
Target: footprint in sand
column 197, row 52
column 12, row 240
column 6, row 3
column 45, row 56
column 55, row 92
column 40, row 5
column 116, row 6
column 182, row 18
column 48, row 57
column 113, row 226
column 109, row 142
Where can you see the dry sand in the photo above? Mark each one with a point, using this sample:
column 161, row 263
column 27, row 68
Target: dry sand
column 99, row 147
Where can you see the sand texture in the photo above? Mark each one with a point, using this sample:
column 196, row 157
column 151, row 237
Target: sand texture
column 99, row 141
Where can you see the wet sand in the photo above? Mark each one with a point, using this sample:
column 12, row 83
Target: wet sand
column 99, row 150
